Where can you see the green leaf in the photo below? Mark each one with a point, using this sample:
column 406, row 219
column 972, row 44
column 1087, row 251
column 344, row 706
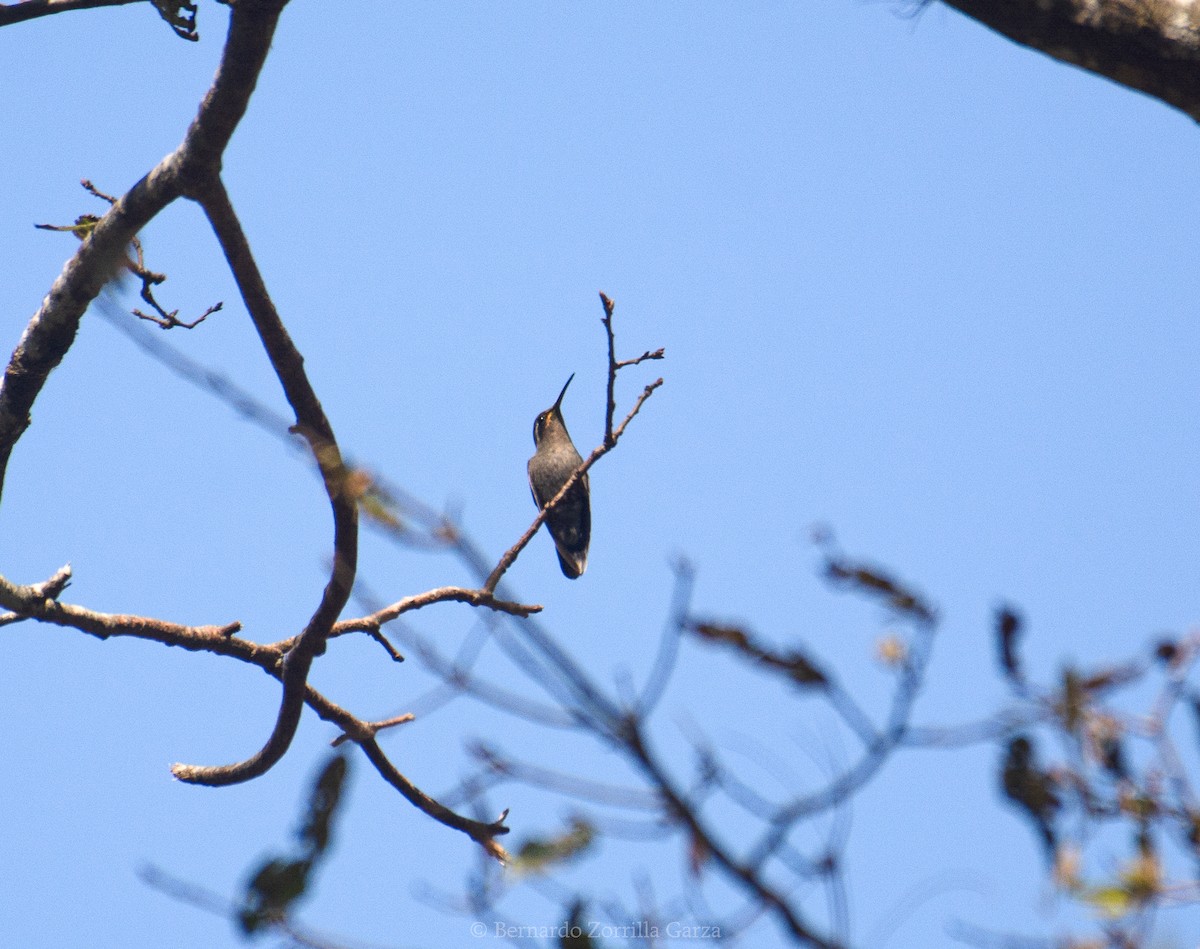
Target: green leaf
column 322, row 805
column 1112, row 901
column 276, row 885
column 281, row 881
column 537, row 855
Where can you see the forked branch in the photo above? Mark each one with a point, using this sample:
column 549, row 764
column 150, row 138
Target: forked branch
column 610, row 440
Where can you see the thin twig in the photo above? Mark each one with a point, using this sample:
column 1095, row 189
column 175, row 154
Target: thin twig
column 375, row 728
column 479, row 598
column 171, row 320
column 482, row 832
column 611, row 404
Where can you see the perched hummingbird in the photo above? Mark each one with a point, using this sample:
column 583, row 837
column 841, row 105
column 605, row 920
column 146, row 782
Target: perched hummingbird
column 570, row 523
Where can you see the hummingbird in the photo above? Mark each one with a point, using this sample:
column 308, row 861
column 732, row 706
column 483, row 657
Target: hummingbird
column 570, row 523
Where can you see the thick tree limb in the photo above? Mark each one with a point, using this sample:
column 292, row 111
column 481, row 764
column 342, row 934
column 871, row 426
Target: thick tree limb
column 31, row 9
column 1149, row 45
column 312, row 423
column 39, row 601
column 193, row 170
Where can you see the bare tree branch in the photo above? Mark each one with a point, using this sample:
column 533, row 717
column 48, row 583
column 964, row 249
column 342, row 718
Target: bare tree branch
column 421, row 600
column 40, row 602
column 193, row 170
column 314, row 426
column 31, row 9
column 101, row 255
column 1149, row 45
column 614, row 366
column 746, row 874
column 483, row 833
column 32, row 602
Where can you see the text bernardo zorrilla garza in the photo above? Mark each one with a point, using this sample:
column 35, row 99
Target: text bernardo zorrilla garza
column 597, row 930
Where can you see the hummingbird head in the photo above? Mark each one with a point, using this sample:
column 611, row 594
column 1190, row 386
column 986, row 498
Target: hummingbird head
column 550, row 422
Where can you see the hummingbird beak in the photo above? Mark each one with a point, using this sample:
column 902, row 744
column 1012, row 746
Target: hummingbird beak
column 558, row 401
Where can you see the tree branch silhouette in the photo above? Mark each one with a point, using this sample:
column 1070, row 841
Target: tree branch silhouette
column 610, row 440
column 101, row 255
column 1152, row 46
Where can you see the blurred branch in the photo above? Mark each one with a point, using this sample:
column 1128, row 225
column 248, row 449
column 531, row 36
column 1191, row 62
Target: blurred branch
column 668, row 643
column 746, row 874
column 570, row 785
column 458, row 678
column 909, row 604
column 794, row 666
column 184, row 892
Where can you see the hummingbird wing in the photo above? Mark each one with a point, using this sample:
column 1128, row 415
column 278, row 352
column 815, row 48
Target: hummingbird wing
column 570, row 525
column 571, row 543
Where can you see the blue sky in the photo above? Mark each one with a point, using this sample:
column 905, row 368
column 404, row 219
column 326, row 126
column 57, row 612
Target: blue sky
column 914, row 283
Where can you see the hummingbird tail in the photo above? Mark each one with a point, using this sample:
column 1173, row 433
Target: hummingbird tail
column 572, row 564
